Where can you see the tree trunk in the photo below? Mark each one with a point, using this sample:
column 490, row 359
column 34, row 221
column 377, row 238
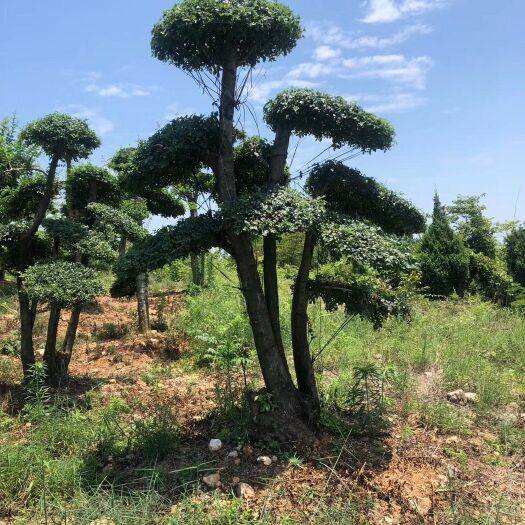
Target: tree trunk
column 50, row 352
column 290, row 412
column 304, row 368
column 27, row 352
column 271, row 282
column 64, row 356
column 142, row 303
column 271, row 289
column 27, row 310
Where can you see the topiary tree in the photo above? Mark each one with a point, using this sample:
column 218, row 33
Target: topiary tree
column 251, row 179
column 61, row 285
column 61, row 138
column 140, row 199
column 444, row 259
column 515, row 252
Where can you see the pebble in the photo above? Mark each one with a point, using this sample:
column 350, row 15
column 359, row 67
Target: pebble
column 233, row 454
column 236, row 480
column 237, row 461
column 247, row 450
column 214, row 445
column 212, row 480
column 265, row 460
column 243, row 490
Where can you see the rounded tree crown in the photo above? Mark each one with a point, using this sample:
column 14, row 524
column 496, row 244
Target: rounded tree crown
column 204, row 34
column 62, row 135
column 63, row 284
column 310, row 112
column 349, row 192
column 177, row 150
column 88, row 183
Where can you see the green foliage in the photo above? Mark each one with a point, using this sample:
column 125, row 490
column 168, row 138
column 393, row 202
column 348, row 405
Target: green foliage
column 176, row 151
column 20, row 202
column 275, row 212
column 194, row 234
column 363, row 396
column 16, row 158
column 97, row 249
column 10, row 346
column 252, row 164
column 349, row 192
column 476, row 229
column 123, row 223
column 366, row 245
column 515, row 245
column 490, row 278
column 310, row 112
column 87, row 183
column 201, row 34
column 62, row 284
column 10, row 237
column 443, row 257
column 111, row 331
column 445, row 418
column 63, row 136
column 361, row 293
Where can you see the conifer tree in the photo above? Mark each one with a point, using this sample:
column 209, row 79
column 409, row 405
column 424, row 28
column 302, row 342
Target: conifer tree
column 443, row 256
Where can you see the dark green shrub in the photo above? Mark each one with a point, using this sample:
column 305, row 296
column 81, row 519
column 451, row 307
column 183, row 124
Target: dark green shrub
column 444, row 259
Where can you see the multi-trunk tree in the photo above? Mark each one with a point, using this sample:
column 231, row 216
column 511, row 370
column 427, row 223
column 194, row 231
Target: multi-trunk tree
column 253, row 195
column 63, row 140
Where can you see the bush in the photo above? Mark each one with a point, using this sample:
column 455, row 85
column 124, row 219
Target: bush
column 515, row 244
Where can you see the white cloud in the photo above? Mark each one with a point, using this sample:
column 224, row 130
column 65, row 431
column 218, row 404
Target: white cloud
column 384, row 11
column 117, row 90
column 99, row 123
column 326, row 53
column 388, row 103
column 330, row 35
column 393, row 68
column 310, row 70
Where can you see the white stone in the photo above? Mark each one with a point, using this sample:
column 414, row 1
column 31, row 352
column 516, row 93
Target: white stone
column 214, row 445
column 471, row 397
column 264, row 460
column 233, row 454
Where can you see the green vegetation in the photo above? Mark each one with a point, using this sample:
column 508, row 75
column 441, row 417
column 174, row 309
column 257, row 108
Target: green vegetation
column 354, row 363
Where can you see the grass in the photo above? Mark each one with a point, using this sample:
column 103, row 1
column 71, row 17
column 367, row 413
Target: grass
column 54, row 454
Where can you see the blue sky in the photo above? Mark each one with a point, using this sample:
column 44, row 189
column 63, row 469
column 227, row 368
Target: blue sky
column 448, row 74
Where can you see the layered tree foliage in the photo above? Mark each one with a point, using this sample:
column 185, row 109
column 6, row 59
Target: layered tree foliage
column 444, row 259
column 352, row 219
column 27, row 197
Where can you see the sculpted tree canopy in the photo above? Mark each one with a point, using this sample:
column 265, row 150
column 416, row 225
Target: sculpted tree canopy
column 198, row 35
column 28, row 195
column 307, row 112
column 253, row 201
column 60, row 135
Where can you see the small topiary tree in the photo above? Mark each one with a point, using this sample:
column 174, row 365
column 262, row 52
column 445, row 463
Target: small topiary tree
column 515, row 254
column 251, row 180
column 61, row 138
column 444, row 259
column 61, row 285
